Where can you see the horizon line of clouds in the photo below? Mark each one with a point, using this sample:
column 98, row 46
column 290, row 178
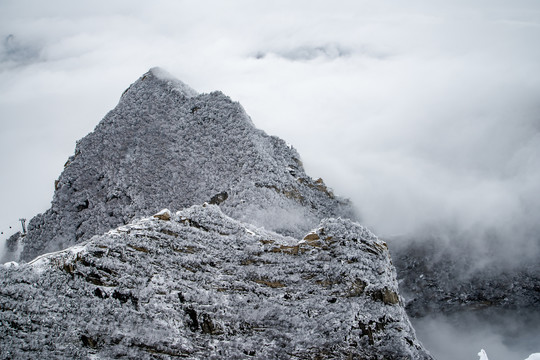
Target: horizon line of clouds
column 440, row 119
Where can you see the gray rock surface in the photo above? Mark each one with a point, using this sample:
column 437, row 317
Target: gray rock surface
column 272, row 266
column 164, row 145
column 202, row 285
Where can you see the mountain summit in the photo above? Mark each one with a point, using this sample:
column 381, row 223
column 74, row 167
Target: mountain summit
column 164, row 145
column 260, row 260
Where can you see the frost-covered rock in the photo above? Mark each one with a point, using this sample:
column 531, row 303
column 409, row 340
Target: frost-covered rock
column 164, row 214
column 203, row 285
column 164, row 145
column 272, row 266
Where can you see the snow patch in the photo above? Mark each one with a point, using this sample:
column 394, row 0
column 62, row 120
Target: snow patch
column 10, row 264
column 164, row 214
column 76, row 249
column 483, row 355
column 39, row 264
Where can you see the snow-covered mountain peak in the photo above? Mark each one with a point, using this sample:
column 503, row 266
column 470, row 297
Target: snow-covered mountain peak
column 254, row 259
column 164, row 145
column 159, row 75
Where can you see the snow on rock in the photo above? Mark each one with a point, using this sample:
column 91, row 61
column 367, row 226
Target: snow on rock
column 164, row 214
column 202, row 287
column 535, row 356
column 166, row 145
column 173, row 82
column 10, row 264
column 271, row 266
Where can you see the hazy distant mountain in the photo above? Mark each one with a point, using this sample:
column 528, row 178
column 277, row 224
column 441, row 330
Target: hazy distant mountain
column 437, row 278
column 260, row 261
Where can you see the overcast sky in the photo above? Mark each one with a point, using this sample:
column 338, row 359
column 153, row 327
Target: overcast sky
column 425, row 113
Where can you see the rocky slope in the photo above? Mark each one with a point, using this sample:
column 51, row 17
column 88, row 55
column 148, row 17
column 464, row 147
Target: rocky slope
column 164, row 145
column 201, row 285
column 272, row 266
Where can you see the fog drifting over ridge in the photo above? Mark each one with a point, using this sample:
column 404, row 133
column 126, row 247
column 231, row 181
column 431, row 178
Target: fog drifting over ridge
column 426, row 114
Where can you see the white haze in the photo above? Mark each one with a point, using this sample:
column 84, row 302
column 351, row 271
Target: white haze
column 425, row 113
column 462, row 336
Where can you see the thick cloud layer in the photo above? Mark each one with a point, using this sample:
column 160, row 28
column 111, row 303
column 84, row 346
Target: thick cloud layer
column 462, row 336
column 426, row 114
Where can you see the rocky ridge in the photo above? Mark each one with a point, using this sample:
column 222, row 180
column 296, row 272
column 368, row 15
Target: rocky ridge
column 272, row 265
column 201, row 285
column 164, row 145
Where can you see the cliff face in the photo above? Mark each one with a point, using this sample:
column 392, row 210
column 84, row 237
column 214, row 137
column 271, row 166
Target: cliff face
column 166, row 146
column 201, row 285
column 260, row 261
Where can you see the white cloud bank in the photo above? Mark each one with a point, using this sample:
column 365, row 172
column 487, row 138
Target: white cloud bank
column 426, row 114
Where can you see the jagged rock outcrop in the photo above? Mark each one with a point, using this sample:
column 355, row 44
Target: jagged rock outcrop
column 272, row 266
column 164, row 145
column 202, row 285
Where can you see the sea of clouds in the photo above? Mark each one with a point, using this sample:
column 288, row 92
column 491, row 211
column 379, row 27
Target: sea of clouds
column 426, row 113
